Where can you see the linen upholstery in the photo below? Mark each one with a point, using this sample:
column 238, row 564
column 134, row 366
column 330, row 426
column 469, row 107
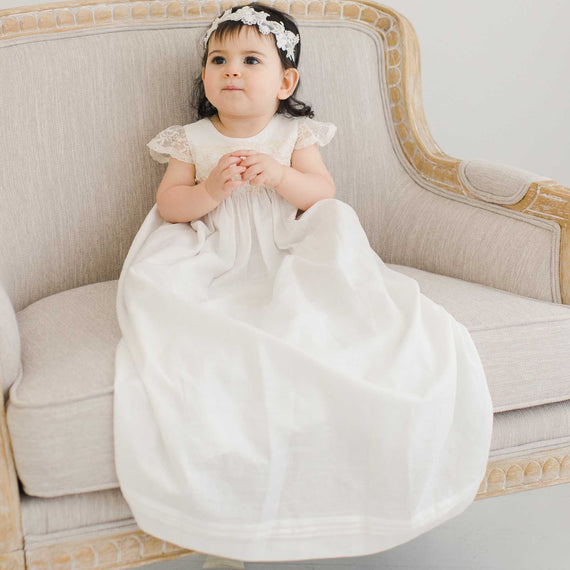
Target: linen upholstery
column 60, row 414
column 81, row 515
column 92, row 99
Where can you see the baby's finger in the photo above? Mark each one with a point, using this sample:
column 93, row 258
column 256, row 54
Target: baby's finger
column 251, row 172
column 227, row 160
column 231, row 154
column 242, row 153
column 250, row 160
column 232, row 170
column 232, row 173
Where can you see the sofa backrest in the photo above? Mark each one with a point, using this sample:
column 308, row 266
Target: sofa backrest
column 85, row 86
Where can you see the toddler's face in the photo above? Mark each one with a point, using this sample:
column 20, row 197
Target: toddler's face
column 243, row 77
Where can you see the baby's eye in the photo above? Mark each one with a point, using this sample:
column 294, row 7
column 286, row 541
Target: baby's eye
column 218, row 60
column 250, row 60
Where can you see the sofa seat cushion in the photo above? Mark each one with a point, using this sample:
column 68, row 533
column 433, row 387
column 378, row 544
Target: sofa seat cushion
column 60, row 412
column 522, row 342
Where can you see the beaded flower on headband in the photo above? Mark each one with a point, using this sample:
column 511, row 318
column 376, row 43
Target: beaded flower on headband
column 286, row 40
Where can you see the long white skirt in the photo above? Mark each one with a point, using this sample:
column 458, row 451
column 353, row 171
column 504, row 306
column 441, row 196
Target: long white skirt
column 281, row 394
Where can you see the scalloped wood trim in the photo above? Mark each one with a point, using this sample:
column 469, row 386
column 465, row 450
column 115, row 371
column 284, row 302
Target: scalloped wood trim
column 532, row 471
column 123, row 550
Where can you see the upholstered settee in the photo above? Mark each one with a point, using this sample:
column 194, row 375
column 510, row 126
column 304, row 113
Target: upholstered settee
column 85, row 85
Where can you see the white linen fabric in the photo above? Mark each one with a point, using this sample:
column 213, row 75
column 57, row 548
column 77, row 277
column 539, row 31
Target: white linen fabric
column 280, row 393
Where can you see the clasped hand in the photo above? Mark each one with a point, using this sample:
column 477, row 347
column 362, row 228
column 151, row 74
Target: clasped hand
column 243, row 166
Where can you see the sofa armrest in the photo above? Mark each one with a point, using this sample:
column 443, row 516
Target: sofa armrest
column 516, row 192
column 524, row 192
column 10, row 347
column 11, row 534
column 521, row 191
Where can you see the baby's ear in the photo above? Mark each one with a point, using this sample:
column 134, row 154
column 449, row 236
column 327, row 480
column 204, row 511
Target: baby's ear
column 288, row 83
column 203, row 73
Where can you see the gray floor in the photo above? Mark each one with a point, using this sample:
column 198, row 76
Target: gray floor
column 523, row 531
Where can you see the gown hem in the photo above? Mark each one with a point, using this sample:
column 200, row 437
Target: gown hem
column 345, row 537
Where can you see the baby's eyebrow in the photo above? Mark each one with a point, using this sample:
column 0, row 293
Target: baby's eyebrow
column 248, row 52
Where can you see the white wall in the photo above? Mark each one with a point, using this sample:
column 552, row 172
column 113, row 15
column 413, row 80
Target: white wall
column 495, row 79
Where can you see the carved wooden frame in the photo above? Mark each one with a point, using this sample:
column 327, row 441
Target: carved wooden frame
column 544, row 199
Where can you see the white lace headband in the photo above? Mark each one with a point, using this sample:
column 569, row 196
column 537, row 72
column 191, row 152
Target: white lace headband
column 286, row 40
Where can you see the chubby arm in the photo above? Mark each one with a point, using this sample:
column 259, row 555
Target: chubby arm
column 180, row 199
column 307, row 180
column 303, row 183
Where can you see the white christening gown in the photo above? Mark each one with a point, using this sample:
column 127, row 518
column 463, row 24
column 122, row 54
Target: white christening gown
column 281, row 394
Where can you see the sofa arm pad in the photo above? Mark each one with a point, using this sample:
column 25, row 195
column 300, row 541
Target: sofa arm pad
column 496, row 183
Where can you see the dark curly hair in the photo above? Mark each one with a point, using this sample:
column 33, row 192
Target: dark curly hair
column 290, row 106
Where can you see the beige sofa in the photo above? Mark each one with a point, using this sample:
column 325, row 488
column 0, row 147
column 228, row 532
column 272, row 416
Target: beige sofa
column 85, row 86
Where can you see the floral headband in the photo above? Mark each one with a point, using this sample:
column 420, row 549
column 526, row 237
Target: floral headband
column 286, row 40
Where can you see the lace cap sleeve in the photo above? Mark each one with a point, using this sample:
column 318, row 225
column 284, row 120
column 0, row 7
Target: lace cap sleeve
column 171, row 142
column 310, row 132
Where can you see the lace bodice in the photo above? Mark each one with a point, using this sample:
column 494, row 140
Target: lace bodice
column 201, row 144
